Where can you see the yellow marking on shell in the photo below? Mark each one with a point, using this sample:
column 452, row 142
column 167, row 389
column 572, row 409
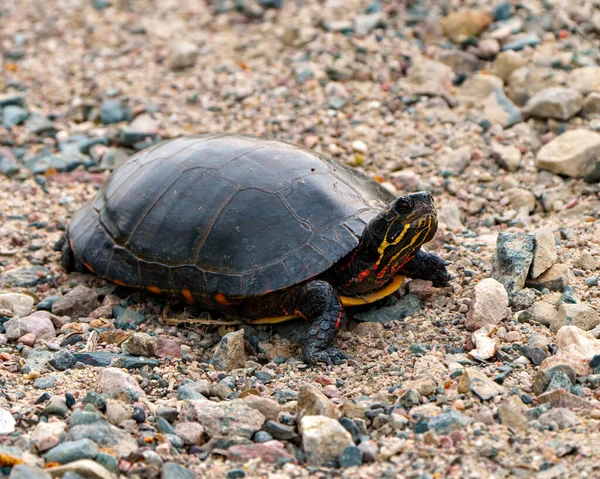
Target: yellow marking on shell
column 154, row 289
column 187, row 294
column 375, row 296
column 275, row 319
column 221, row 299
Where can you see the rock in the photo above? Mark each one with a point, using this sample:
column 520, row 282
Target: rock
column 24, row 471
column 114, row 111
column 457, row 160
column 270, row 452
column 521, row 198
column 117, row 411
column 194, row 390
column 478, row 87
column 113, row 158
column 498, row 109
column 63, row 161
column 591, row 106
column 77, row 303
column 141, row 344
column 172, row 470
column 105, row 358
column 13, row 115
column 560, row 398
column 46, row 435
column 512, row 417
column 429, row 77
column 555, row 278
column 24, row 277
column 575, row 347
column 190, row 432
column 267, row 407
column 63, row 360
column 7, row 422
column 512, row 260
column 586, row 261
column 542, row 313
column 27, row 339
column 56, row 406
column 580, row 315
column 487, row 48
column 544, row 253
column 407, row 306
column 561, row 376
column 15, row 305
column 46, row 382
column 85, row 468
column 485, row 347
column 460, row 61
column 168, row 347
column 280, row 431
column 230, row 352
column 323, row 439
column 182, row 54
column 105, row 435
column 71, row 451
column 585, row 80
column 507, row 62
column 128, row 318
column 221, row 391
column 312, row 402
column 459, row 26
column 489, row 305
column 9, row 165
column 364, row 24
column 518, row 42
column 230, row 418
column 557, row 102
column 476, row 382
column 38, row 323
column 448, row 421
column 119, row 385
column 450, row 216
column 350, row 456
column 369, row 329
column 560, row 416
column 508, row 157
column 574, row 153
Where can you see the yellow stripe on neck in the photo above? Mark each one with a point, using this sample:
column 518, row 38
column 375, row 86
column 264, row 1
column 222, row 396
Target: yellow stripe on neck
column 346, row 301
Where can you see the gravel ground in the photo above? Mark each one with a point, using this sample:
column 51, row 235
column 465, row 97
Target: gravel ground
column 493, row 107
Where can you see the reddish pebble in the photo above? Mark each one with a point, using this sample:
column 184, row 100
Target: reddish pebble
column 27, row 339
column 331, row 391
column 512, row 336
column 168, row 347
column 572, row 203
column 446, row 442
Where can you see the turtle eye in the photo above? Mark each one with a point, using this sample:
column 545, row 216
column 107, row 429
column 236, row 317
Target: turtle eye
column 403, row 205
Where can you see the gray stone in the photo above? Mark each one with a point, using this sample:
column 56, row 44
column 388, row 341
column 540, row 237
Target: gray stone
column 407, row 306
column 172, row 470
column 63, row 360
column 105, row 358
column 557, row 102
column 512, row 417
column 280, row 431
column 563, row 417
column 13, row 115
column 119, row 385
column 105, row 435
column 141, row 344
column 448, row 421
column 72, row 451
column 512, row 260
column 195, row 390
column 114, row 111
column 67, row 160
column 182, row 54
column 24, row 471
column 40, row 125
column 497, row 108
column 544, row 253
column 230, row 352
column 228, row 418
column 9, row 165
column 37, row 360
column 351, row 456
column 45, row 382
column 581, row 315
column 518, row 42
column 556, row 278
column 24, row 277
column 113, row 158
column 56, row 406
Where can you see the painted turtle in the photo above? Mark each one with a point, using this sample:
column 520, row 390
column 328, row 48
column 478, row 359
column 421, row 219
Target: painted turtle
column 255, row 227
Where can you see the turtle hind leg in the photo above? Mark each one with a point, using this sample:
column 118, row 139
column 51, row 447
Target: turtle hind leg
column 69, row 261
column 428, row 266
column 317, row 302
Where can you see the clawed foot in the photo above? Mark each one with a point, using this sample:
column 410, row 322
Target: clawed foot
column 330, row 356
column 442, row 277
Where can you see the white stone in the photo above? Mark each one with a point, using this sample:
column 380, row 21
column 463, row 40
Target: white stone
column 574, row 153
column 323, row 439
column 586, row 79
column 557, row 102
column 489, row 306
column 7, row 422
column 544, row 252
column 17, row 305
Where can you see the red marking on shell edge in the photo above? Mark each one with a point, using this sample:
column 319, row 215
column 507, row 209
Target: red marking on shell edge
column 338, row 323
column 299, row 313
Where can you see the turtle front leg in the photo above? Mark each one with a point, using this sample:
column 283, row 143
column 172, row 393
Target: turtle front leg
column 428, row 266
column 317, row 302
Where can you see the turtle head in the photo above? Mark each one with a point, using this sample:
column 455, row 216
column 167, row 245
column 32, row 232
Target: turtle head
column 401, row 228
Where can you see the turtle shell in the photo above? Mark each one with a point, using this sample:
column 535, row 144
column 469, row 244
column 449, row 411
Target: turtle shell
column 230, row 214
